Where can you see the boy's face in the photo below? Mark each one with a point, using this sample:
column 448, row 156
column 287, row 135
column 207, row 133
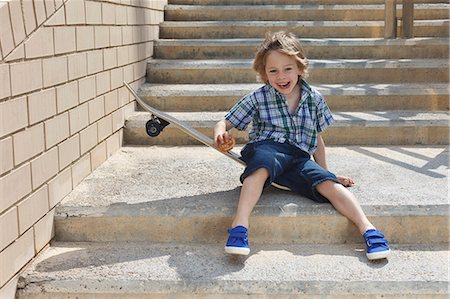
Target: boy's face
column 282, row 72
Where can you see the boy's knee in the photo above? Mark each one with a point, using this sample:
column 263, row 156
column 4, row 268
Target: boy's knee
column 260, row 173
column 324, row 186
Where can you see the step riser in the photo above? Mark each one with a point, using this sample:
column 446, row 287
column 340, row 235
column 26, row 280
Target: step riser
column 313, row 52
column 296, row 15
column 135, row 134
column 323, row 229
column 336, row 103
column 222, row 31
column 285, row 2
column 316, row 76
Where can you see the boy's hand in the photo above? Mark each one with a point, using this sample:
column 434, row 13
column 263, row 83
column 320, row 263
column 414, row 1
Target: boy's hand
column 347, row 182
column 224, row 142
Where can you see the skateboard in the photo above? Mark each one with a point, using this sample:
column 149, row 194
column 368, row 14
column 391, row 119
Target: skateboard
column 159, row 120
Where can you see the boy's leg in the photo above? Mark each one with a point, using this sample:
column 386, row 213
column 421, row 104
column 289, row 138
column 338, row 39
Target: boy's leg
column 345, row 203
column 251, row 191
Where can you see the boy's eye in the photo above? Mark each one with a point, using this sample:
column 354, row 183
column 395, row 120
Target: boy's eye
column 289, row 69
column 272, row 71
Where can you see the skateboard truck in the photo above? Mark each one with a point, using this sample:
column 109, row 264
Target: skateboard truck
column 155, row 125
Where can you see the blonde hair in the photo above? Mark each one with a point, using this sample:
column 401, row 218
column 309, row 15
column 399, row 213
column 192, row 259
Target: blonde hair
column 283, row 42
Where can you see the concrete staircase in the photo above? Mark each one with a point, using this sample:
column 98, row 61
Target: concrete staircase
column 151, row 221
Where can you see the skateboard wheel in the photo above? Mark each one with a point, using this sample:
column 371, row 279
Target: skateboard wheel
column 225, row 147
column 153, row 128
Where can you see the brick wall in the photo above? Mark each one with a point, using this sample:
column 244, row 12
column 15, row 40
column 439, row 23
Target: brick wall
column 62, row 106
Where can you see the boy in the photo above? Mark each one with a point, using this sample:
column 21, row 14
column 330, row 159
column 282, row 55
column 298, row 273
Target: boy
column 287, row 118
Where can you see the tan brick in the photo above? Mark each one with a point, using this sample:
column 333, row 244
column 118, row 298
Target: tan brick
column 77, row 65
column 127, row 35
column 81, row 169
column 55, row 70
column 58, row 19
column 85, row 38
column 88, row 138
column 128, row 75
column 110, row 58
column 67, row 96
column 95, row 61
column 78, row 118
column 139, row 70
column 15, row 186
column 28, row 16
column 44, row 167
column 17, row 54
column 28, row 71
column 39, row 8
column 18, row 26
column 40, row 43
column 9, row 290
column 43, row 231
column 116, row 78
column 65, row 41
column 101, row 36
column 59, row 187
column 32, row 208
column 133, row 54
column 87, row 89
column 122, row 55
column 75, row 13
column 5, row 82
column 104, row 127
column 42, row 105
column 108, row 14
column 93, row 12
column 103, row 81
column 6, row 152
column 49, row 7
column 96, row 109
column 58, row 3
column 14, row 115
column 15, row 256
column 28, row 143
column 115, row 34
column 124, row 96
column 56, row 129
column 6, row 32
column 112, row 144
column 8, row 220
column 69, row 151
column 121, row 15
column 98, row 155
column 111, row 101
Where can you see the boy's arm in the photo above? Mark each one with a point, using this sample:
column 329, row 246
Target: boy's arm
column 320, row 158
column 221, row 134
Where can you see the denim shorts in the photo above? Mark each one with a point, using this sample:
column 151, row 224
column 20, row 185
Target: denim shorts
column 288, row 166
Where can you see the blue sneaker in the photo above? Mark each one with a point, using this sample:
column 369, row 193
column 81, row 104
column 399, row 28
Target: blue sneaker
column 377, row 246
column 237, row 241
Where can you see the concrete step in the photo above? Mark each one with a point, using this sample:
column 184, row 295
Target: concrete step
column 148, row 270
column 328, row 48
column 189, row 195
column 303, row 29
column 373, row 97
column 369, row 128
column 286, row 2
column 337, row 71
column 367, row 12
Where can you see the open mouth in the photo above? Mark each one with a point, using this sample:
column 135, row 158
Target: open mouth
column 284, row 85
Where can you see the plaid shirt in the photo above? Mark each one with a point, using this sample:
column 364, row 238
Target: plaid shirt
column 272, row 120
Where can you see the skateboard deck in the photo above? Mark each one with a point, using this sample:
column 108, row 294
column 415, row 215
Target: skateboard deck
column 160, row 119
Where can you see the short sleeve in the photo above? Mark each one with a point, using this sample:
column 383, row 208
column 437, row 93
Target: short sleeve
column 242, row 113
column 323, row 113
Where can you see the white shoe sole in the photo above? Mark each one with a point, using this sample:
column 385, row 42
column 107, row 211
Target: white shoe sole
column 378, row 255
column 237, row 250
